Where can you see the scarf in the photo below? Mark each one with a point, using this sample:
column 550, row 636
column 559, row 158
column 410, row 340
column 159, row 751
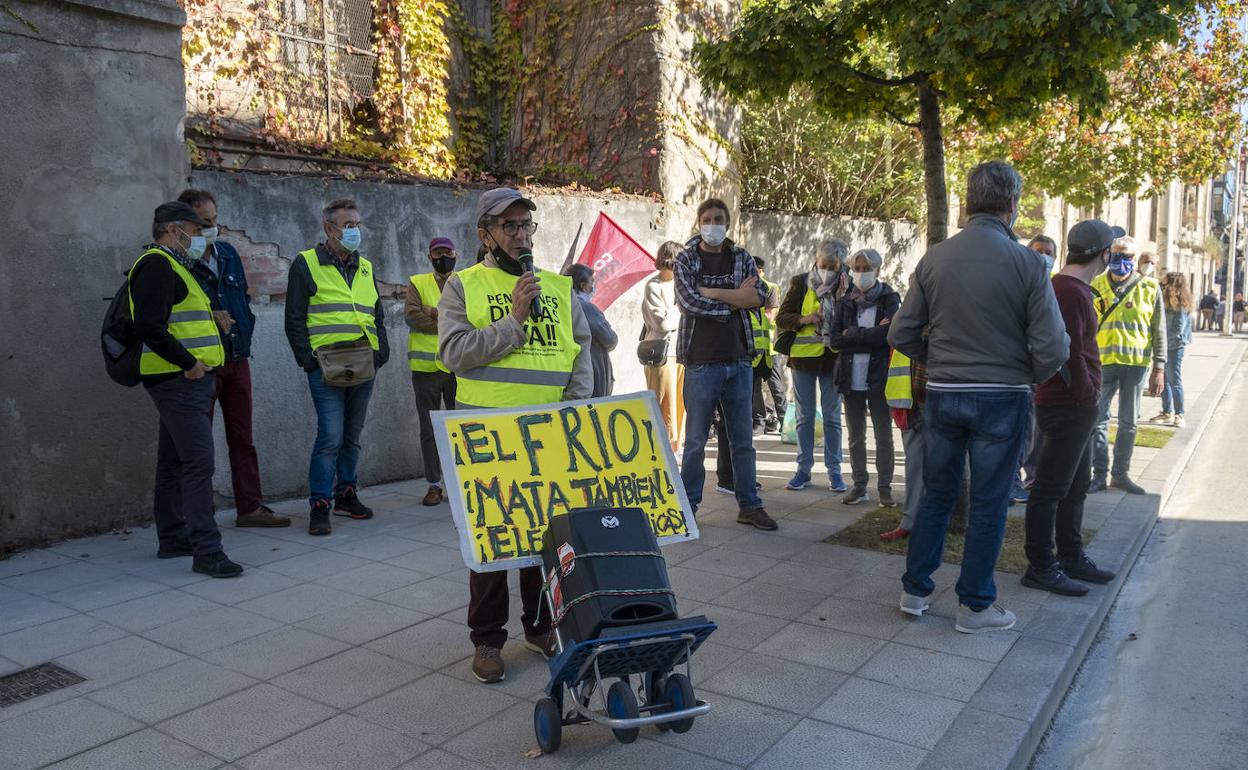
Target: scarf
column 862, row 300
column 826, row 294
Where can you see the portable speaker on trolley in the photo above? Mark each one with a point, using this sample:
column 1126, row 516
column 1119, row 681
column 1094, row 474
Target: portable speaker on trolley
column 614, row 617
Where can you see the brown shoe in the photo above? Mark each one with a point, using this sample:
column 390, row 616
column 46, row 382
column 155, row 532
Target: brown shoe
column 434, row 496
column 264, row 516
column 542, row 644
column 487, row 665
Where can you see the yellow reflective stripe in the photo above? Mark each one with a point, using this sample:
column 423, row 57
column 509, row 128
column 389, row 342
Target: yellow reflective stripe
column 337, row 329
column 339, row 307
column 182, row 316
column 517, row 376
column 420, row 355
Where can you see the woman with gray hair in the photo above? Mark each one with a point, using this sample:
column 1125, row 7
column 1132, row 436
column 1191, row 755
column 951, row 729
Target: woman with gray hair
column 809, row 299
column 858, row 328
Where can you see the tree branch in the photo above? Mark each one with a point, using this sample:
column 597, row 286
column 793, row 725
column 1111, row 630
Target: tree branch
column 899, row 119
column 876, row 80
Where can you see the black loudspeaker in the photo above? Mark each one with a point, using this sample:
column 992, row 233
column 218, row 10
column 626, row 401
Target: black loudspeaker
column 594, row 590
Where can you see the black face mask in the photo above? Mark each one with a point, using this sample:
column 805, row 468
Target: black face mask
column 508, row 263
column 443, row 265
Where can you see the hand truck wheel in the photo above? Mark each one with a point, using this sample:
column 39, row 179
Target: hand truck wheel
column 679, row 694
column 622, row 704
column 655, row 682
column 547, row 725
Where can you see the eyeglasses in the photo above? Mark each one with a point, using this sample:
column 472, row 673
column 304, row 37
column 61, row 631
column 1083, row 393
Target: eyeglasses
column 511, row 228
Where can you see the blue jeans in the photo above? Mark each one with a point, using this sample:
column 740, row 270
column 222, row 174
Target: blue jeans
column 1172, row 395
column 340, row 414
column 1127, row 382
column 991, row 425
column 830, row 403
column 732, row 386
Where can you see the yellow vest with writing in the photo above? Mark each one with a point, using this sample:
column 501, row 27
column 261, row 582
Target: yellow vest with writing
column 898, row 389
column 1125, row 336
column 190, row 322
column 808, row 343
column 338, row 312
column 422, row 347
column 539, row 371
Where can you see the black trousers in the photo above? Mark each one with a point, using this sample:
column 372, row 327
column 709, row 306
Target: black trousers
column 771, row 377
column 857, row 404
column 723, row 451
column 434, row 391
column 1063, row 472
column 182, row 499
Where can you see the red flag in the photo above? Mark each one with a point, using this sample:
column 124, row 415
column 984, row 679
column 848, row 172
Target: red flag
column 617, row 260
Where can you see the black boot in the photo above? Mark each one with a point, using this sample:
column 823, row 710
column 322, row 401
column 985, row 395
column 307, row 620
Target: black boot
column 1053, row 580
column 347, row 503
column 216, row 565
column 1086, row 570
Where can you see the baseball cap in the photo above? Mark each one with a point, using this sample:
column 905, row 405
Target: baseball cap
column 496, row 201
column 442, row 243
column 177, row 211
column 1091, row 236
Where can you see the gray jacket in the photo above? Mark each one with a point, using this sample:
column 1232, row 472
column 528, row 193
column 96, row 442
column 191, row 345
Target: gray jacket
column 463, row 346
column 988, row 308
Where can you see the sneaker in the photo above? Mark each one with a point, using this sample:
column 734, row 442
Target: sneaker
column 264, row 516
column 542, row 644
column 886, row 497
column 318, row 518
column 836, row 483
column 725, row 489
column 758, row 430
column 216, row 565
column 993, row 618
column 347, row 503
column 1052, row 580
column 901, row 533
column 175, row 550
column 1162, row 417
column 771, row 427
column 856, row 495
column 1127, row 485
column 434, row 495
column 487, row 665
column 914, row 605
column 758, row 519
column 1019, row 495
column 1086, row 570
column 1096, row 485
column 799, row 481
column 1179, row 422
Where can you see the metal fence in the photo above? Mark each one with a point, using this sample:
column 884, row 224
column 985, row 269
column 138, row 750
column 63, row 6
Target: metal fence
column 326, row 49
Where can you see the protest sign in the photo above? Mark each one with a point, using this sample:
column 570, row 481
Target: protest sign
column 507, row 471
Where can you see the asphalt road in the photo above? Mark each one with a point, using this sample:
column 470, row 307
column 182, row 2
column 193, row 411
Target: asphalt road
column 1166, row 683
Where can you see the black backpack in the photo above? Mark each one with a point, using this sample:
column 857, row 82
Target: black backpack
column 118, row 342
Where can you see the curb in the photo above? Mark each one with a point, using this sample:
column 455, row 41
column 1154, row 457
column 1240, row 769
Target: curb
column 1175, row 455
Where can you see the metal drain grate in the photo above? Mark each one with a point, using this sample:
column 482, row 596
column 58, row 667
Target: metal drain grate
column 35, row 681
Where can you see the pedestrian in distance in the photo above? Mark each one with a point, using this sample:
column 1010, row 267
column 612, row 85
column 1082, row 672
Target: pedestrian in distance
column 1067, row 405
column 604, row 338
column 181, row 347
column 858, row 329
column 1208, row 305
column 1131, row 335
column 221, row 275
column 717, row 286
column 660, row 318
column 1237, row 313
column 808, row 302
column 981, row 314
column 432, row 382
column 486, row 322
column 1178, row 302
column 332, row 303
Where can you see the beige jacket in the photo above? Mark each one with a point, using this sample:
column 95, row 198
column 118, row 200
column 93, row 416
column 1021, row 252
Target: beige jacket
column 463, row 346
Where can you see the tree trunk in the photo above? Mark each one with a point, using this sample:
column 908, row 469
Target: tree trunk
column 933, row 163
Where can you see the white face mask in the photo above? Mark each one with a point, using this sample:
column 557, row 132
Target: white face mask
column 714, row 234
column 865, row 280
column 824, row 275
column 210, row 234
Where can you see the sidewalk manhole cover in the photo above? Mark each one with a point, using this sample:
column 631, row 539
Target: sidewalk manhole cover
column 35, row 681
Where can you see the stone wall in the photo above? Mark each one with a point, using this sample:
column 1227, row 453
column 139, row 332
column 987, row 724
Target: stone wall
column 92, row 142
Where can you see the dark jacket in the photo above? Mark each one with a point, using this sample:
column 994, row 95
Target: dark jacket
column 847, row 336
column 604, row 341
column 787, row 321
column 227, row 290
column 989, row 309
column 300, row 288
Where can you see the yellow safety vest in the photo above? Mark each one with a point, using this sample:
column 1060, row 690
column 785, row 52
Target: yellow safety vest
column 539, row 371
column 1124, row 338
column 338, row 312
column 898, row 389
column 808, row 343
column 761, row 326
column 190, row 322
column 422, row 347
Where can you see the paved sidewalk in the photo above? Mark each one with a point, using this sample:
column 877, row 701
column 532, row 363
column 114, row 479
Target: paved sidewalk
column 351, row 650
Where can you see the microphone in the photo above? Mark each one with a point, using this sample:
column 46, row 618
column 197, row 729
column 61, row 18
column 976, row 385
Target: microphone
column 526, row 264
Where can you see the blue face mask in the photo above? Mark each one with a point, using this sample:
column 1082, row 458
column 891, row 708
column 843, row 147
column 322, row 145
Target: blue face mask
column 351, row 238
column 198, row 245
column 1121, row 267
column 1048, row 264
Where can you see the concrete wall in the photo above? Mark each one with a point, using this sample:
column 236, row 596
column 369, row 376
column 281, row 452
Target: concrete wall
column 270, row 218
column 91, row 143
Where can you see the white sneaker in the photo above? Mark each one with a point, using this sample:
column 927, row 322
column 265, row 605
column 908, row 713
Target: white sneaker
column 1178, row 421
column 1163, row 417
column 914, row 605
column 994, row 618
